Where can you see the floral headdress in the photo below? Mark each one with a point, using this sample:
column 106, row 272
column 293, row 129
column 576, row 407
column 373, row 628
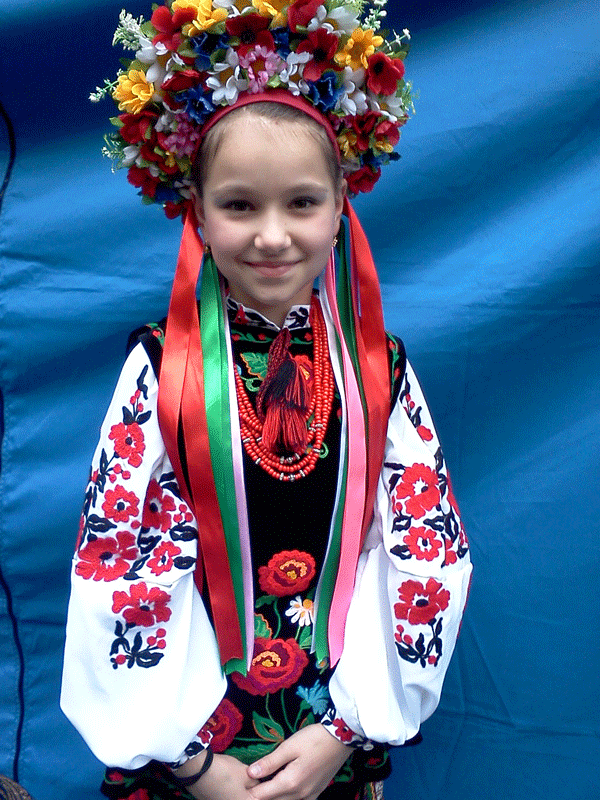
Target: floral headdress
column 196, row 56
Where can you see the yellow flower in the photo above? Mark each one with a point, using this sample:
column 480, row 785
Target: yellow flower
column 347, row 143
column 206, row 15
column 273, row 8
column 133, row 91
column 358, row 48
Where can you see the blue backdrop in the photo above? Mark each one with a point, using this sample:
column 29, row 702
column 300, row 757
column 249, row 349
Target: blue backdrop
column 486, row 235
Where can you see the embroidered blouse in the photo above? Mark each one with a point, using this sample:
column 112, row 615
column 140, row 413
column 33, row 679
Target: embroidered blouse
column 142, row 678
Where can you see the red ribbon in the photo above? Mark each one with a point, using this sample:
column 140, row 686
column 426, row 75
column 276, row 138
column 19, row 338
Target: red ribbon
column 181, row 396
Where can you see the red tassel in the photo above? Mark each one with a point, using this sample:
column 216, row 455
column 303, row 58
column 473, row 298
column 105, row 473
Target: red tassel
column 283, row 401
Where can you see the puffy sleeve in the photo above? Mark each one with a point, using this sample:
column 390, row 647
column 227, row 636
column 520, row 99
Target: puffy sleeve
column 136, row 684
column 412, row 583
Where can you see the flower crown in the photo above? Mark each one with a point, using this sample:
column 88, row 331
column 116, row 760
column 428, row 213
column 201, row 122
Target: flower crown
column 196, row 56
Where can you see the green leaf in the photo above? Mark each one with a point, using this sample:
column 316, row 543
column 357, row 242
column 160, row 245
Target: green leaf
column 247, row 755
column 305, row 638
column 267, row 600
column 309, row 719
column 256, row 363
column 261, row 627
column 267, row 729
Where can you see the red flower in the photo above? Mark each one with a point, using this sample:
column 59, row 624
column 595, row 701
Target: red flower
column 387, row 132
column 157, row 507
column 342, row 731
column 425, row 433
column 142, row 607
column 107, row 559
column 251, row 30
column 139, row 794
column 364, row 126
column 142, row 179
column 183, row 79
column 169, row 27
column 129, row 442
column 383, row 73
column 419, row 604
column 135, row 126
column 422, row 544
column 420, row 485
column 277, row 664
column 301, row 12
column 323, row 46
column 120, row 504
column 224, row 724
column 450, row 556
column 163, row 557
column 363, row 179
column 288, row 572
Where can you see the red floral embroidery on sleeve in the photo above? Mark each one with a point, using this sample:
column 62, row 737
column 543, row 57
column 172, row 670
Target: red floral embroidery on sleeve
column 419, row 489
column 129, row 442
column 142, row 607
column 106, row 559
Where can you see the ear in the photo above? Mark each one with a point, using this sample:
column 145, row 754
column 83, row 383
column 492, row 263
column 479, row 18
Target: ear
column 198, row 208
column 339, row 203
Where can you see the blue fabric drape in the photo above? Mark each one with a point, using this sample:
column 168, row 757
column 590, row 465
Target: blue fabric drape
column 486, row 235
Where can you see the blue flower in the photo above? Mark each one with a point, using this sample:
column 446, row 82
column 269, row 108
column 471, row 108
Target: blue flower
column 199, row 105
column 317, row 697
column 324, row 93
column 281, row 37
column 202, row 51
column 165, row 195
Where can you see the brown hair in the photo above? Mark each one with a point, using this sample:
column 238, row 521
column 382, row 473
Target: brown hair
column 272, row 112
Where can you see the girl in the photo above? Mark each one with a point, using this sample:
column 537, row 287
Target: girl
column 271, row 569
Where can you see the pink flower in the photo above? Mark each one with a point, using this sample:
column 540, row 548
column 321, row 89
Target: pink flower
column 261, row 65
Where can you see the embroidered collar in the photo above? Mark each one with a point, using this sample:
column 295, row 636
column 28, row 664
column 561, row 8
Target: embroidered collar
column 242, row 315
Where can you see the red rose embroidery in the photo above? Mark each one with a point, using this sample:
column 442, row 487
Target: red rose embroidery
column 162, row 557
column 157, row 507
column 422, row 544
column 288, row 572
column 120, row 504
column 419, row 486
column 419, row 604
column 224, row 724
column 142, row 607
column 107, row 559
column 129, row 442
column 277, row 664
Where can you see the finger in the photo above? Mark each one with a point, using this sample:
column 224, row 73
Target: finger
column 270, row 764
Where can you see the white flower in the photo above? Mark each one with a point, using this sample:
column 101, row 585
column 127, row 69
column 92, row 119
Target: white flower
column 339, row 21
column 226, row 80
column 353, row 101
column 291, row 74
column 301, row 611
column 390, row 106
column 130, row 153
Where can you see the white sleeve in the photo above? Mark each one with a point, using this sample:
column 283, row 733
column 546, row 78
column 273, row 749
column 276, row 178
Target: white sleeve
column 412, row 583
column 141, row 670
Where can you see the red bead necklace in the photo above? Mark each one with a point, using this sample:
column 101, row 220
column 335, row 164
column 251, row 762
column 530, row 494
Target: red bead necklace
column 297, row 465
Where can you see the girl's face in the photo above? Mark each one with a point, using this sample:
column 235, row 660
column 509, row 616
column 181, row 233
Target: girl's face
column 269, row 210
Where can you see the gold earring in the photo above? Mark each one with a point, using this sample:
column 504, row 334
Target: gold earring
column 335, row 241
column 207, row 251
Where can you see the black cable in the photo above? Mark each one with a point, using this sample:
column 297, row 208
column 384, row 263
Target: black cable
column 12, row 152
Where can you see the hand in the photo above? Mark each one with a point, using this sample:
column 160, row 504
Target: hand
column 301, row 766
column 226, row 779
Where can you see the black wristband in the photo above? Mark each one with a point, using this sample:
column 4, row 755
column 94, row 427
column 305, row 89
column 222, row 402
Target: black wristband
column 191, row 779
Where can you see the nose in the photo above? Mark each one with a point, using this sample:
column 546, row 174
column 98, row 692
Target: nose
column 272, row 235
